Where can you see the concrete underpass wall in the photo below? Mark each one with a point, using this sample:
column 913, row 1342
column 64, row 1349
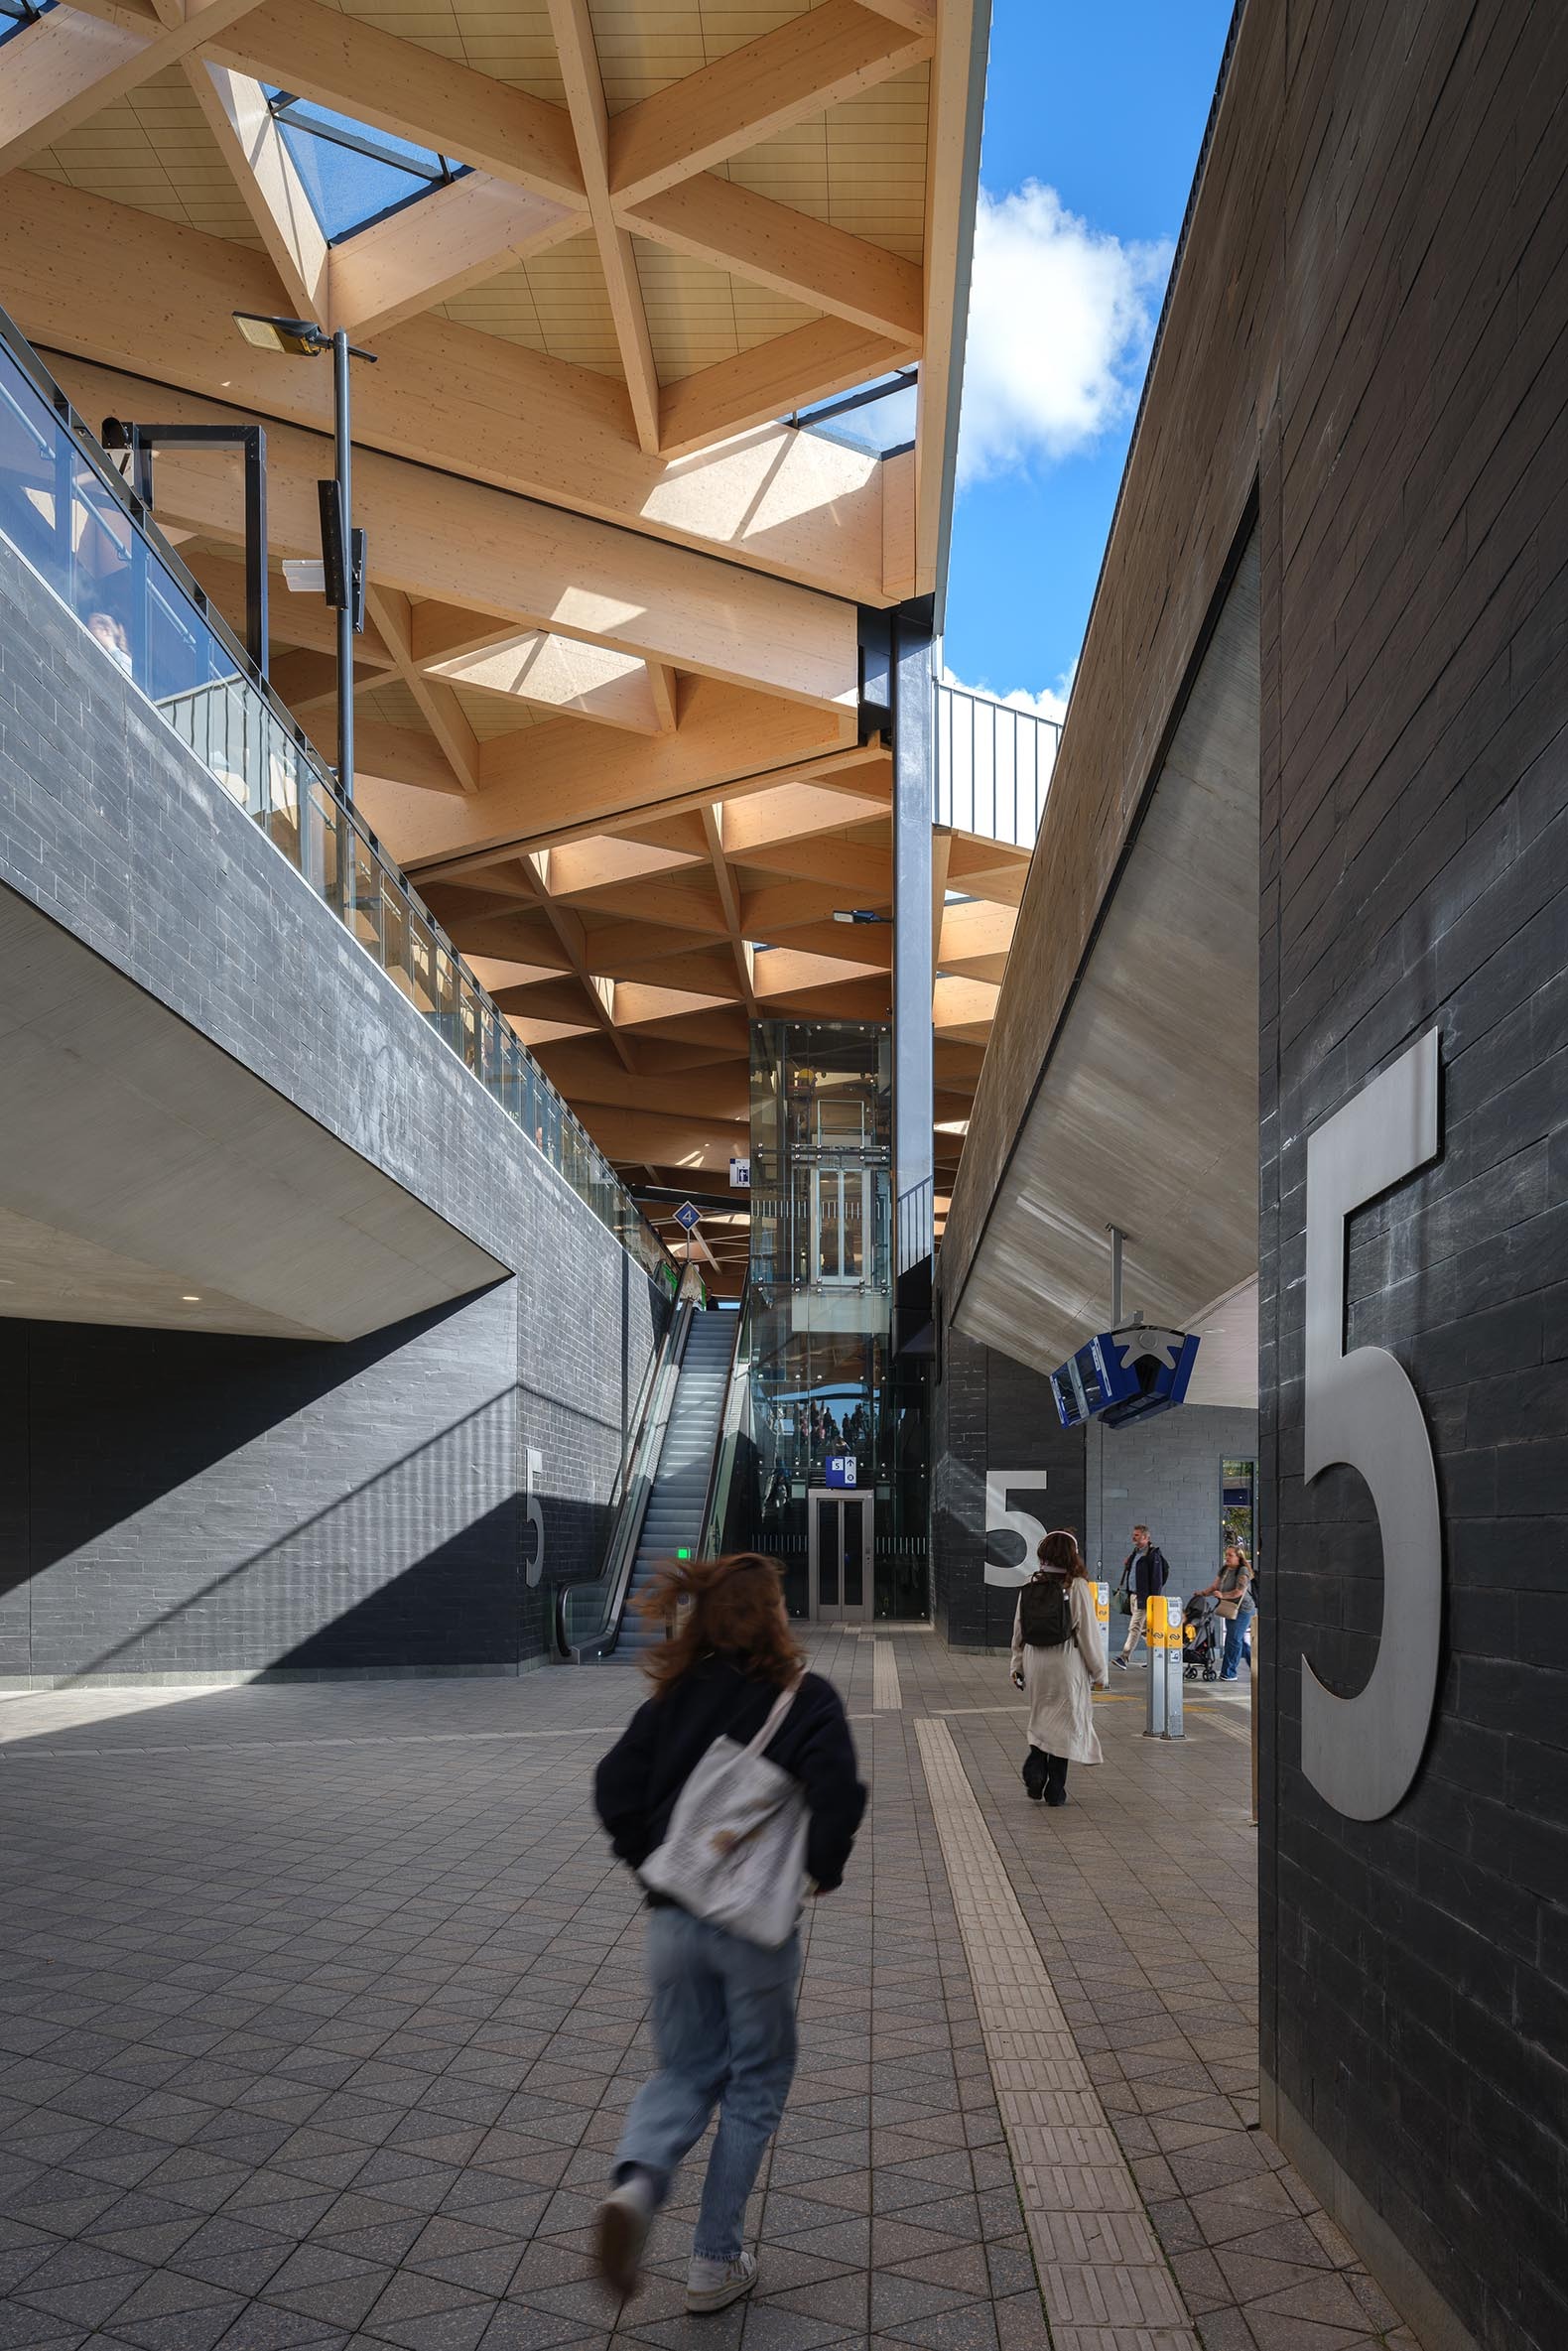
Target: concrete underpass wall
column 191, row 1504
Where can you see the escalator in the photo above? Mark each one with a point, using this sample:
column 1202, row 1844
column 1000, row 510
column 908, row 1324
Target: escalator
column 677, row 1500
column 666, row 1502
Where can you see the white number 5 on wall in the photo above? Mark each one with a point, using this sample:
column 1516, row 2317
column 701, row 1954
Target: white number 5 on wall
column 1006, row 1491
column 1361, row 1754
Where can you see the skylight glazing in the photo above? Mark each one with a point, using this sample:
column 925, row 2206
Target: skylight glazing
column 878, row 419
column 17, row 14
column 353, row 175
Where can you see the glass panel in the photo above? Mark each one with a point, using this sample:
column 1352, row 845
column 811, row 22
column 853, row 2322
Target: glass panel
column 829, row 1579
column 855, row 1189
column 829, row 1229
column 852, row 1539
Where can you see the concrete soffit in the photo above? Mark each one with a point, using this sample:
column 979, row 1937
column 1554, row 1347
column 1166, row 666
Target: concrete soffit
column 1147, row 1108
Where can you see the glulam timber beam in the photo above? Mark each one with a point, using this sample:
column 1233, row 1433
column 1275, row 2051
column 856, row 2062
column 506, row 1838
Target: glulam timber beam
column 573, row 28
column 269, row 188
column 83, row 275
column 397, row 85
column 453, row 238
column 435, row 701
column 559, row 675
column 773, row 378
column 736, row 229
column 755, row 92
column 431, row 534
column 561, row 778
column 69, row 67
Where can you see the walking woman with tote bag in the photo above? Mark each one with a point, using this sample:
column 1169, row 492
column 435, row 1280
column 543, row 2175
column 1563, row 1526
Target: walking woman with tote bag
column 734, row 1792
column 1059, row 1657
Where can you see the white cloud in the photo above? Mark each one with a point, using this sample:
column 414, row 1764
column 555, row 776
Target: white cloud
column 1061, row 316
column 1049, row 702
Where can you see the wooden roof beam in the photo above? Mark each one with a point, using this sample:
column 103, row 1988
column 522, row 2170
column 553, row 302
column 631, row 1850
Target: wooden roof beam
column 83, row 275
column 764, row 86
column 561, row 674
column 400, row 86
column 70, row 67
column 771, row 244
column 730, row 901
column 269, row 188
column 431, row 534
column 453, row 238
column 568, row 928
column 573, row 28
column 437, row 706
column 772, row 379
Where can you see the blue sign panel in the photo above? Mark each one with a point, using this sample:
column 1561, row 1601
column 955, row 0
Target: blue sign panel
column 688, row 1218
column 842, row 1469
column 1122, row 1375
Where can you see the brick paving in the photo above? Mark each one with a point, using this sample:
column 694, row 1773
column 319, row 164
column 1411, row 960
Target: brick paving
column 321, row 2004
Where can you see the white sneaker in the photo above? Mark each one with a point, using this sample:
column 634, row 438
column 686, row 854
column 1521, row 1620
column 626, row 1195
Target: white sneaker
column 713, row 2285
column 622, row 2231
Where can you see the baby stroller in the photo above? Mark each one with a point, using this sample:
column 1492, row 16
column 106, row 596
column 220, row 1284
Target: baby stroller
column 1202, row 1638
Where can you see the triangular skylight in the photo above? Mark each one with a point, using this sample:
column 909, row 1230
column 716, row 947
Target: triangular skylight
column 353, row 175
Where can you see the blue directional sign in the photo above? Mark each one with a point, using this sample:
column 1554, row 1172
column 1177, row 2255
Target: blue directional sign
column 688, row 1218
column 842, row 1469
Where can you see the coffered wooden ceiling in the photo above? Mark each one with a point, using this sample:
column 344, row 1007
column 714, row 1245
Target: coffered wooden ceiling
column 607, row 706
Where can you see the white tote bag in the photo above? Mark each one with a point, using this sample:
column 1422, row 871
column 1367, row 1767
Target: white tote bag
column 734, row 1852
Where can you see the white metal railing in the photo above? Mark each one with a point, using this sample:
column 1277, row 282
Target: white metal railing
column 992, row 767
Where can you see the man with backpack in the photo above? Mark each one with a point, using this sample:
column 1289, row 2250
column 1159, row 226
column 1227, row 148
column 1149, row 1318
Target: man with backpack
column 1145, row 1575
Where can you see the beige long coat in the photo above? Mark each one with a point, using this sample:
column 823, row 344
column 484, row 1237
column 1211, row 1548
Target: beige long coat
column 1058, row 1682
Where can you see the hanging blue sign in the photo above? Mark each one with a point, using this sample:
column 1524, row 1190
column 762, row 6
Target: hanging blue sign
column 842, row 1469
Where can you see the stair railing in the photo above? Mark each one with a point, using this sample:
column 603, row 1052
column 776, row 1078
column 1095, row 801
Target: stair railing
column 587, row 1613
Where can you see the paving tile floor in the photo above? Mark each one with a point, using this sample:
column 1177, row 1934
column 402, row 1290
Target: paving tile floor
column 320, row 2005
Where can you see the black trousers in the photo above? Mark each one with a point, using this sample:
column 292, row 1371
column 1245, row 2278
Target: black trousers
column 1043, row 1774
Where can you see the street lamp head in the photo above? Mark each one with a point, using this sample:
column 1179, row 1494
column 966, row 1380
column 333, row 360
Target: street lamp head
column 298, row 337
column 859, row 914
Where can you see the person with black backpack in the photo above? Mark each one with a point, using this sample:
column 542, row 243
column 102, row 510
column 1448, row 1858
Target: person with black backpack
column 1059, row 1657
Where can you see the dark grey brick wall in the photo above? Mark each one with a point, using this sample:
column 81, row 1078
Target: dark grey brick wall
column 174, row 1504
column 1165, row 1471
column 1414, row 506
column 992, row 1416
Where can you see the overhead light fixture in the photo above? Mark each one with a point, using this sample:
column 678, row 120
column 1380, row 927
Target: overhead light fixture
column 305, row 575
column 859, row 914
column 300, row 338
column 190, row 1297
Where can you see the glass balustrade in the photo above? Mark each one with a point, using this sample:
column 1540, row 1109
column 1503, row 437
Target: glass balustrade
column 73, row 520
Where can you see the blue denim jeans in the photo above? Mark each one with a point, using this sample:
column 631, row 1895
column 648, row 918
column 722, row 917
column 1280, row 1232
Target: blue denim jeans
column 723, row 2026
column 1234, row 1634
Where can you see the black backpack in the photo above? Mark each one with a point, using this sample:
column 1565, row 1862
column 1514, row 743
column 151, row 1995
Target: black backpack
column 1047, row 1613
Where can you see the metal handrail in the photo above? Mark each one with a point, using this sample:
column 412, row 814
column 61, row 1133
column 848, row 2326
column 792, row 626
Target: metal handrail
column 621, row 1555
column 208, row 719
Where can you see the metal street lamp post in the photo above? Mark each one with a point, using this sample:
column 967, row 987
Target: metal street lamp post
column 342, row 547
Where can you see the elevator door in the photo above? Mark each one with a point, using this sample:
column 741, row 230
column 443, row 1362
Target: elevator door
column 840, row 1558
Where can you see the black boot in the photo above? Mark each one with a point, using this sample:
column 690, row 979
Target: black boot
column 1056, row 1779
column 1036, row 1774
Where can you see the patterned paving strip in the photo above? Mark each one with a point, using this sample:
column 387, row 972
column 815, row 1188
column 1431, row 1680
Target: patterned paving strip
column 886, row 1692
column 1102, row 2275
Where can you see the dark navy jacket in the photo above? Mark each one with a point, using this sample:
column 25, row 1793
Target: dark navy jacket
column 1148, row 1575
column 638, row 1782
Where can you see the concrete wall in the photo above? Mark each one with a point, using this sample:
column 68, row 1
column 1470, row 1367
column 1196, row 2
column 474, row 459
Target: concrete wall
column 1166, row 1472
column 992, row 1417
column 187, row 1503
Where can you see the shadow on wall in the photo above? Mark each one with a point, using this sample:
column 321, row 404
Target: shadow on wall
column 183, row 1504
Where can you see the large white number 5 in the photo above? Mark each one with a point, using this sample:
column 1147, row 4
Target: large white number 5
column 1361, row 1754
column 1002, row 1518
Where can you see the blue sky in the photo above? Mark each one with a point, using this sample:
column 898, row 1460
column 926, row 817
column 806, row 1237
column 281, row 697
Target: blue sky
column 1092, row 122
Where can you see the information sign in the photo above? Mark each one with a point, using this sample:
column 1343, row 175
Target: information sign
column 842, row 1469
column 688, row 1218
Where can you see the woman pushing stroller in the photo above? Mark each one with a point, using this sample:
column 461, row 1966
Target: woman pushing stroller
column 1059, row 1658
